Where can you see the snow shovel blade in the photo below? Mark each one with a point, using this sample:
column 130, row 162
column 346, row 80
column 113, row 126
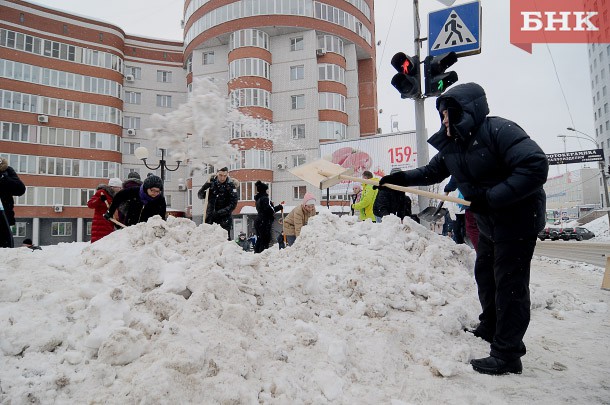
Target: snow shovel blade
column 433, row 214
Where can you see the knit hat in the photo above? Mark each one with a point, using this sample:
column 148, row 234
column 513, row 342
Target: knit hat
column 115, row 182
column 133, row 175
column 3, row 164
column 309, row 199
column 260, row 186
column 152, row 181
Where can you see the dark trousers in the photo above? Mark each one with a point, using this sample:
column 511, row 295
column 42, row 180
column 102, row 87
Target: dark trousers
column 459, row 228
column 472, row 229
column 502, row 272
column 263, row 237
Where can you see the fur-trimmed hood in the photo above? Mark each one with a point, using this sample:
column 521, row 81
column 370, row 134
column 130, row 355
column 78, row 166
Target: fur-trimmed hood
column 3, row 164
column 229, row 179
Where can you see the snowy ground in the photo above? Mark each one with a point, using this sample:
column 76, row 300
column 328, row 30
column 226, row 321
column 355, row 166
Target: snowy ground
column 600, row 228
column 353, row 313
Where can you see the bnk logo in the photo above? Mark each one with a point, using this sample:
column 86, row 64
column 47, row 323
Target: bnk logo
column 558, row 21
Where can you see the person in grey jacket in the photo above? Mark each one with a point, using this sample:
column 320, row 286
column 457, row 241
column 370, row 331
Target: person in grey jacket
column 501, row 171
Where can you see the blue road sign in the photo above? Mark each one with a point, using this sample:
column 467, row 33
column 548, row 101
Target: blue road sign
column 456, row 29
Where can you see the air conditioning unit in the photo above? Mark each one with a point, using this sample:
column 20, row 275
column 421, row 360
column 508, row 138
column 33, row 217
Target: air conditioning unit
column 58, row 208
column 181, row 187
column 129, row 78
column 282, row 166
column 43, row 119
column 320, row 51
column 131, row 132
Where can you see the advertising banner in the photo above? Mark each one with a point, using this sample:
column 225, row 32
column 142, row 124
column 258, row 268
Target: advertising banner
column 377, row 154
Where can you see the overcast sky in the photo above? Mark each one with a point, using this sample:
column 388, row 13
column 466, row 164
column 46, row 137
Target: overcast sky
column 520, row 86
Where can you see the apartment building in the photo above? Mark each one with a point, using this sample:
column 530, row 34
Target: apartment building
column 77, row 95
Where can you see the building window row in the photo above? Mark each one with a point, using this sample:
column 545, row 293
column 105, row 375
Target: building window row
column 297, row 102
column 193, row 6
column 249, row 67
column 331, row 43
column 133, row 97
column 247, row 190
column 298, row 131
column 251, row 159
column 134, row 71
column 131, row 122
column 330, row 72
column 249, row 8
column 57, row 78
column 29, row 164
column 12, row 100
column 249, row 37
column 17, row 132
column 164, row 76
column 250, row 98
column 49, row 196
column 256, row 129
column 59, row 50
column 362, row 6
column 332, row 130
column 331, row 101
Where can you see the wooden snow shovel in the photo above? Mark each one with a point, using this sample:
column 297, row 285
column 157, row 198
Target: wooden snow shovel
column 114, row 221
column 324, row 174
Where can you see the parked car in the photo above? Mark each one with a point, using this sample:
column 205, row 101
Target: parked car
column 549, row 233
column 578, row 233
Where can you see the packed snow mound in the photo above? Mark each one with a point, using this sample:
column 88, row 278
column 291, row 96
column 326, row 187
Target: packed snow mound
column 169, row 312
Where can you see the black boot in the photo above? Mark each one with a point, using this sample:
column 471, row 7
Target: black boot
column 495, row 366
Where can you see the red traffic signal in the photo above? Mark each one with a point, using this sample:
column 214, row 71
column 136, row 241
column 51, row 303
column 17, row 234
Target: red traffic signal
column 407, row 80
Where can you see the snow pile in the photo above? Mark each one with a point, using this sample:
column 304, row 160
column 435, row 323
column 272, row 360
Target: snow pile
column 599, row 227
column 169, row 312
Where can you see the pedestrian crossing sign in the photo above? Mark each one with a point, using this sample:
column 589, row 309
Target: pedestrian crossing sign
column 455, row 29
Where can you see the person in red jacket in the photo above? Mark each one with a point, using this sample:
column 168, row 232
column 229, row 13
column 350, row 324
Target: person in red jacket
column 100, row 202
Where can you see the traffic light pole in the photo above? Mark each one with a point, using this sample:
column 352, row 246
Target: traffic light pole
column 420, row 117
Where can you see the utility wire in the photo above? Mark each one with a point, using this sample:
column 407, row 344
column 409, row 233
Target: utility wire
column 387, row 36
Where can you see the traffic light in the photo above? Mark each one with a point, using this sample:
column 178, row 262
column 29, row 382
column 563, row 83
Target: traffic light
column 406, row 81
column 436, row 79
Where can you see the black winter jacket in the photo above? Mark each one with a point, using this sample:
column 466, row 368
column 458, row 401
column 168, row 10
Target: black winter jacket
column 491, row 157
column 265, row 209
column 10, row 185
column 223, row 199
column 390, row 201
column 137, row 211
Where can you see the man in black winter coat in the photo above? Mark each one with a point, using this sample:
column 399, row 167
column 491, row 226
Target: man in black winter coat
column 10, row 185
column 222, row 200
column 266, row 215
column 501, row 171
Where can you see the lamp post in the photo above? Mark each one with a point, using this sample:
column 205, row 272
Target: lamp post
column 142, row 154
column 601, row 166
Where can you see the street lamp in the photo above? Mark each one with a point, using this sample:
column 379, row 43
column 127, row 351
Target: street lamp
column 601, row 166
column 142, row 154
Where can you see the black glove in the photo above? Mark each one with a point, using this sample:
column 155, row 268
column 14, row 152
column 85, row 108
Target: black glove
column 397, row 179
column 103, row 197
column 479, row 204
column 279, row 208
column 107, row 215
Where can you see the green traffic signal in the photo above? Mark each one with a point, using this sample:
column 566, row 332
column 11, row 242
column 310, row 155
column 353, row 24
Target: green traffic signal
column 436, row 80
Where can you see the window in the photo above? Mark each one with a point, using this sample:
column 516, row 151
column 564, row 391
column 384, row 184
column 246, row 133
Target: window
column 208, row 58
column 133, row 97
column 298, row 101
column 164, row 101
column 88, row 229
column 297, row 72
column 164, row 76
column 298, row 131
column 136, row 72
column 130, row 147
column 168, row 199
column 61, row 229
column 298, row 160
column 131, row 122
column 298, row 192
column 297, row 44
column 19, row 229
